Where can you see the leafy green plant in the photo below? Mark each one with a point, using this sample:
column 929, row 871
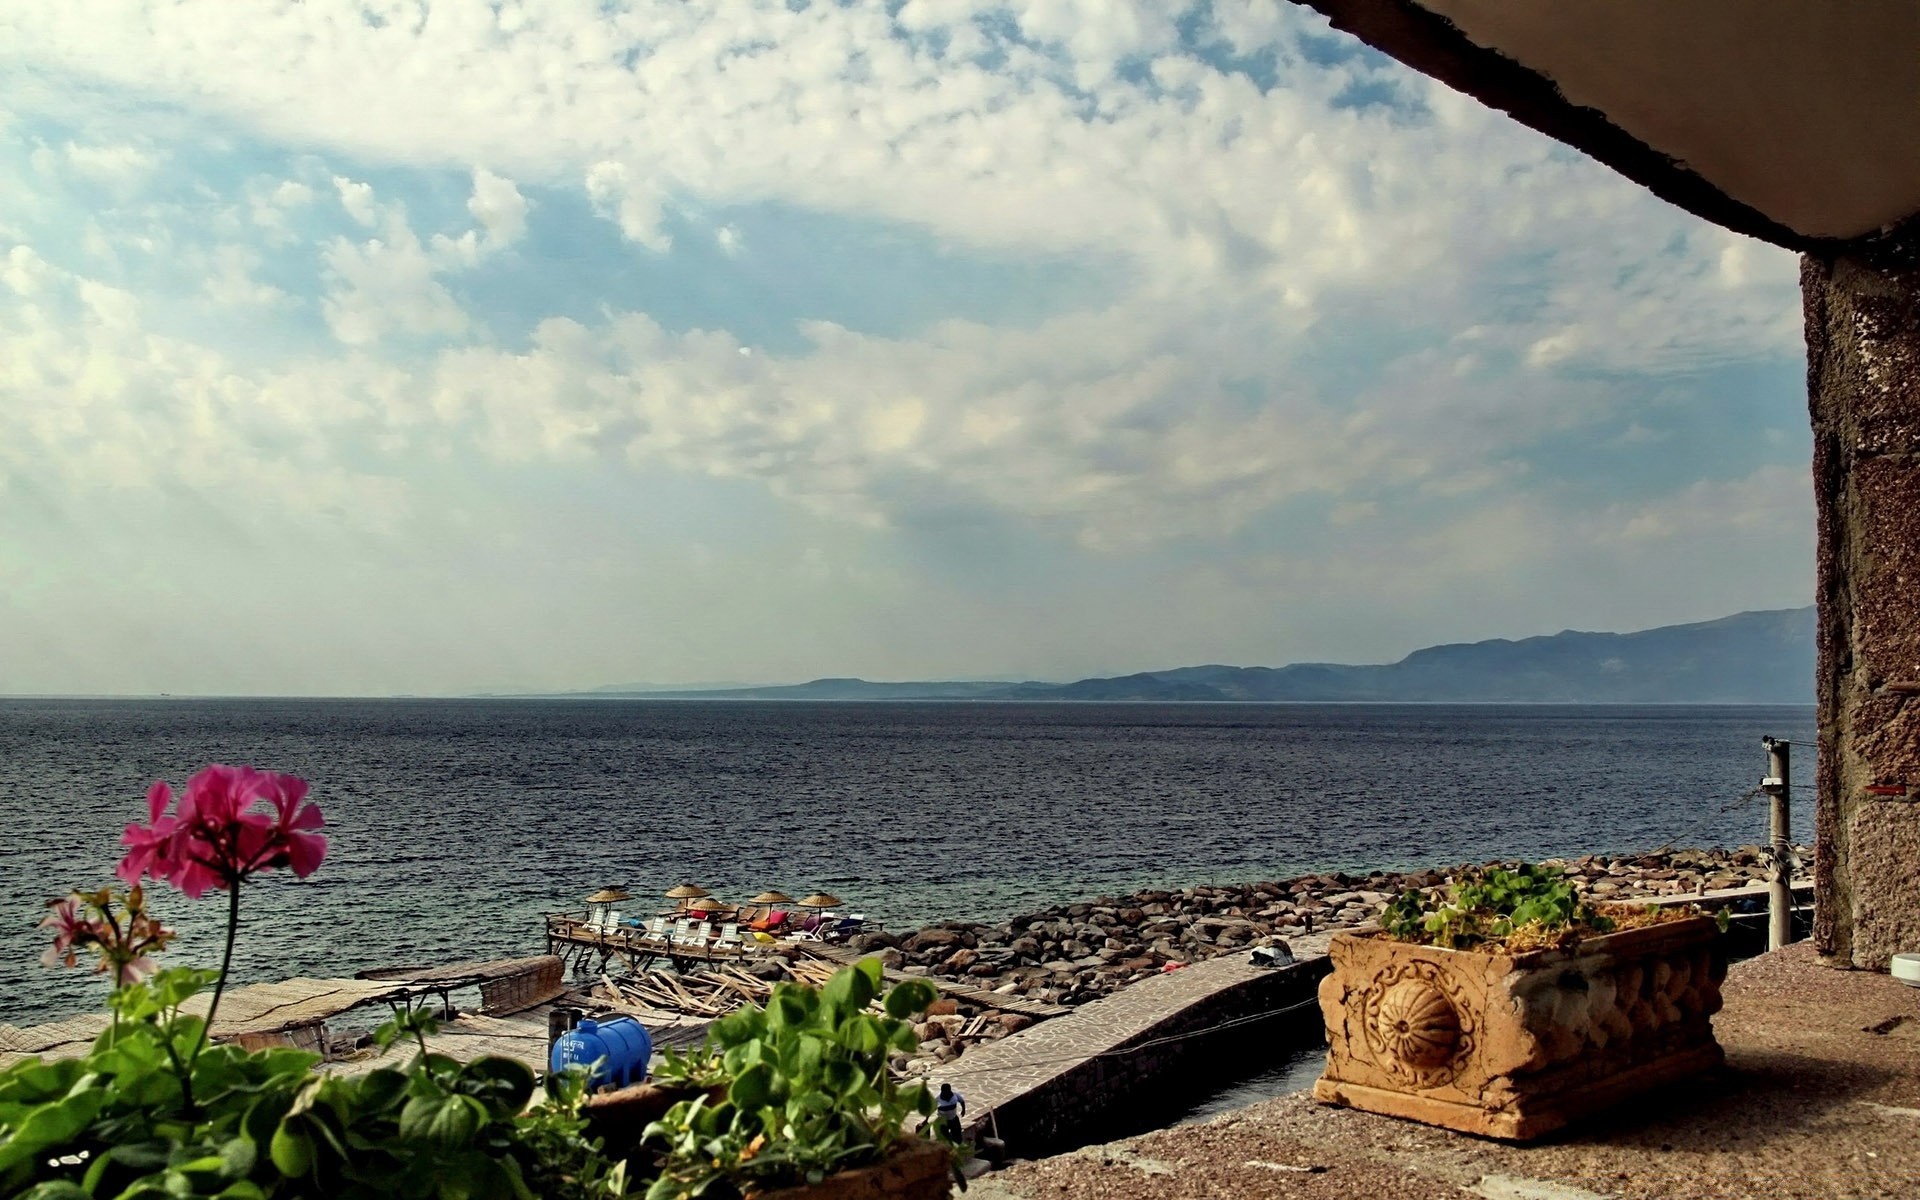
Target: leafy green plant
column 1534, row 904
column 120, row 1121
column 156, row 1110
column 808, row 1091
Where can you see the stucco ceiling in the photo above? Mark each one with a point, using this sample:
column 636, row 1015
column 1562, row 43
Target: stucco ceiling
column 1804, row 112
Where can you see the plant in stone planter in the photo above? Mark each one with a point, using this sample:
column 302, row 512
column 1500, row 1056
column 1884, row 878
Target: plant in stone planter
column 808, row 1095
column 1506, row 1005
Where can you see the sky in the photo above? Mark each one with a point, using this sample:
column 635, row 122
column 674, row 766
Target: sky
column 396, row 347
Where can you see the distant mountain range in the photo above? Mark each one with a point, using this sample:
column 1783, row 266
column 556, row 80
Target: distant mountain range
column 1748, row 658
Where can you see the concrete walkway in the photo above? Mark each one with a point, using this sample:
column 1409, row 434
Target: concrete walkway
column 1820, row 1099
column 1027, row 1084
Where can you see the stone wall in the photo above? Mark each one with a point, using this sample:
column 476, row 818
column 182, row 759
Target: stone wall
column 1863, row 373
column 1132, row 1082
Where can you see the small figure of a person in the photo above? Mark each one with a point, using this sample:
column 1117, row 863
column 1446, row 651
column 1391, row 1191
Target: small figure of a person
column 948, row 1108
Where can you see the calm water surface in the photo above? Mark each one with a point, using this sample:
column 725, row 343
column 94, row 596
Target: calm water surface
column 455, row 824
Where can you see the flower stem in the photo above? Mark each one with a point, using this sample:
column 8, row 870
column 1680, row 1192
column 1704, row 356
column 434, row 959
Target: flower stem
column 219, row 986
column 226, row 957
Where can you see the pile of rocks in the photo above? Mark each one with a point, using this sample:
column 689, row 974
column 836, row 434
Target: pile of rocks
column 1070, row 954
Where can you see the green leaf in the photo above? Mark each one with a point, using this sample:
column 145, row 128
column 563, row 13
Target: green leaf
column 291, row 1149
column 849, row 991
column 380, row 1089
column 753, row 1088
column 449, row 1121
column 238, row 1157
column 507, row 1082
column 51, row 1125
column 910, row 998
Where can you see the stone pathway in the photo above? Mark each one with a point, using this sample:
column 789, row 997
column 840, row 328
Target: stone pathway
column 994, row 1074
column 1820, row 1099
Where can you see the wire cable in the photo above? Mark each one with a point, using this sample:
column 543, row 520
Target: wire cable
column 958, row 1070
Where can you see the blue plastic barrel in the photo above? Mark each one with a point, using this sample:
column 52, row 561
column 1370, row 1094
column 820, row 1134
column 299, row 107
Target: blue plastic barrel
column 615, row 1052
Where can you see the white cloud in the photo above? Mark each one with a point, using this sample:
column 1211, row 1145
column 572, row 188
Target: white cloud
column 637, row 206
column 1773, row 498
column 230, row 281
column 387, row 285
column 1380, row 310
column 499, row 207
column 357, row 199
column 117, row 165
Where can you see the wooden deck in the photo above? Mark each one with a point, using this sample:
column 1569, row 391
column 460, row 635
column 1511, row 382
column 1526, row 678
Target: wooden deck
column 589, row 950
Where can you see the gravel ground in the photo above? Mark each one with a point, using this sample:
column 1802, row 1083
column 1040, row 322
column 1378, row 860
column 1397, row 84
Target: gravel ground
column 1820, row 1099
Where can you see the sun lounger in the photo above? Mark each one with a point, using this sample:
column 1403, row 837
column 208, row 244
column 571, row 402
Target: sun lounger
column 768, row 922
column 729, row 939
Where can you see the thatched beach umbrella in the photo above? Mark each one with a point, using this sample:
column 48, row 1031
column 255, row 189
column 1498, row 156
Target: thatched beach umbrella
column 771, row 898
column 821, row 900
column 681, row 894
column 600, row 904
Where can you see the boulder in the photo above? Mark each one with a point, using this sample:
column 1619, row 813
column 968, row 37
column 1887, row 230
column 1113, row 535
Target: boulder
column 931, row 939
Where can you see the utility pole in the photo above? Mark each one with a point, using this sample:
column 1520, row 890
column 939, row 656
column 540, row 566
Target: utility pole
column 1778, row 785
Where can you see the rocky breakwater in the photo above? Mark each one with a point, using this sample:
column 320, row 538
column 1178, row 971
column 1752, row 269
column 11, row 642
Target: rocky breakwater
column 1072, row 953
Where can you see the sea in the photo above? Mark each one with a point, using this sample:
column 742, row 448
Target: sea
column 455, row 824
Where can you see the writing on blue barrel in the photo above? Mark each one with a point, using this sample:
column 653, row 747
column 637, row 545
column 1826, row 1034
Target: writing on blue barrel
column 613, row 1052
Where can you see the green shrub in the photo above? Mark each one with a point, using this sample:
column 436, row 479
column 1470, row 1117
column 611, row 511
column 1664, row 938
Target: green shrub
column 1534, row 904
column 118, row 1122
column 807, row 1089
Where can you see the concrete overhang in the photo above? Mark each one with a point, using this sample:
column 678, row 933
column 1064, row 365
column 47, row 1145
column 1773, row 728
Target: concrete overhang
column 1795, row 121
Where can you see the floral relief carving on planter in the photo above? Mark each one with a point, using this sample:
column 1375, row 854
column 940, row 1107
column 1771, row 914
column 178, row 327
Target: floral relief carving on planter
column 1515, row 1045
column 1415, row 1025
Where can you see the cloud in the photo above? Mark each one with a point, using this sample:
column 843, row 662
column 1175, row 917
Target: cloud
column 386, row 285
column 499, row 207
column 1772, row 499
column 1346, row 318
column 637, row 206
column 357, row 199
column 230, row 282
column 117, row 165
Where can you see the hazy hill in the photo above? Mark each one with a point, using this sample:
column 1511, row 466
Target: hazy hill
column 1748, row 658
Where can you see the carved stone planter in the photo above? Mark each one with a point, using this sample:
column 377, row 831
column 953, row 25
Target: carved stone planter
column 918, row 1170
column 1517, row 1045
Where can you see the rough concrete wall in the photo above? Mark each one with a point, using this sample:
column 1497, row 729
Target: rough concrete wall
column 1129, row 1090
column 1863, row 385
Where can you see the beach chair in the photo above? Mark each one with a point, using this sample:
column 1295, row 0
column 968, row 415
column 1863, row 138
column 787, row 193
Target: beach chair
column 729, row 939
column 654, row 933
column 769, row 921
column 683, row 931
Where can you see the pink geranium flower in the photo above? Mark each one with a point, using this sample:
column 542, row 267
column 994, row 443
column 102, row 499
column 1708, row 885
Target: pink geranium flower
column 71, row 931
column 229, row 823
column 113, row 926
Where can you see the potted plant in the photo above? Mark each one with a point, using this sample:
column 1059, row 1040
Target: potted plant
column 157, row 1108
column 1506, row 1006
column 795, row 1100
